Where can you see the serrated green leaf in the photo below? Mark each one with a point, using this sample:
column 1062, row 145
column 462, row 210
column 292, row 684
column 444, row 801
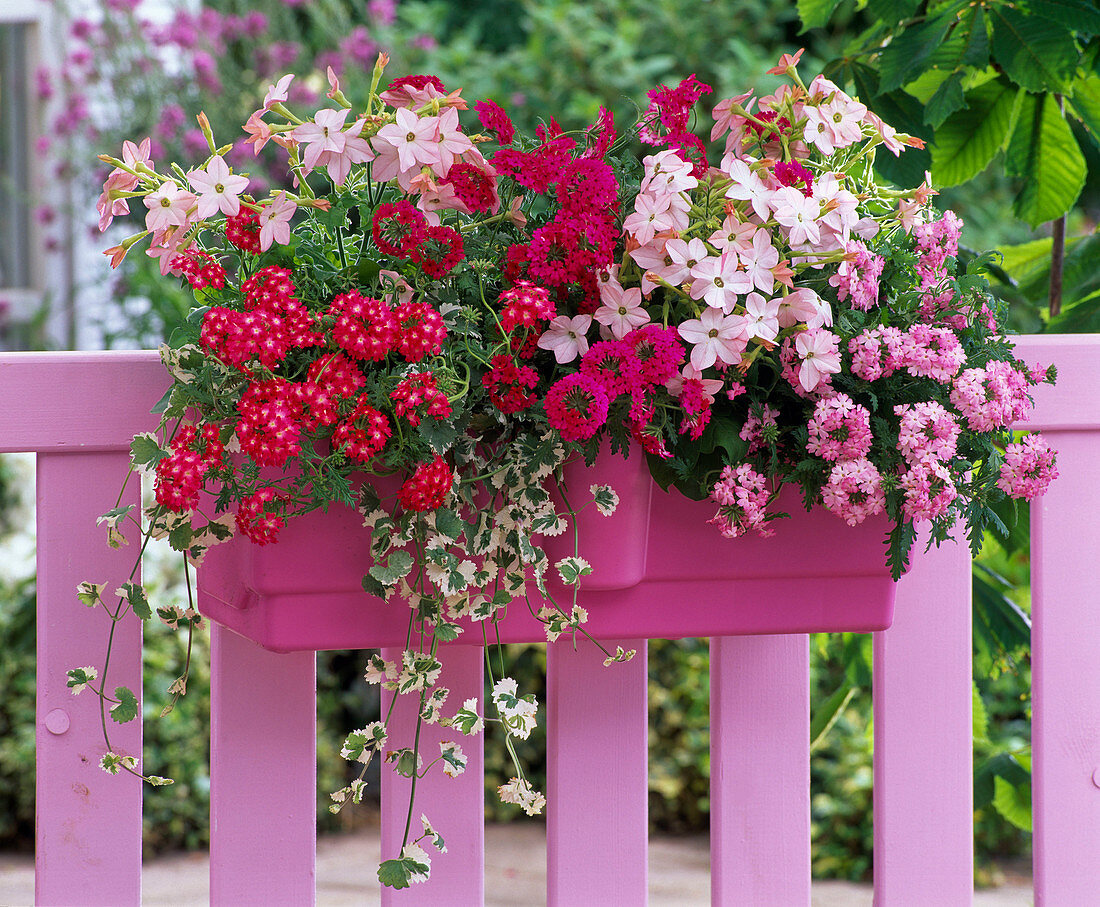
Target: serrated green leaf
column 135, row 596
column 394, row 874
column 145, row 451
column 968, row 140
column 1043, row 153
column 447, row 632
column 127, row 708
column 397, row 565
column 979, row 718
column 449, row 524
column 908, row 54
column 892, row 12
column 1013, row 802
column 372, row 587
column 1076, row 15
column 945, row 100
column 180, row 536
column 815, row 13
column 1084, row 104
column 1037, row 54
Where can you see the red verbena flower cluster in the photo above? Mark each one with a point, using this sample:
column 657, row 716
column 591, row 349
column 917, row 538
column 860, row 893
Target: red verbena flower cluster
column 509, row 384
column 427, row 488
column 418, row 396
column 196, row 451
column 643, row 361
column 668, row 117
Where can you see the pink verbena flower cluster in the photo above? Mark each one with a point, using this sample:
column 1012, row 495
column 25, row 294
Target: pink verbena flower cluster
column 742, row 496
column 1028, row 469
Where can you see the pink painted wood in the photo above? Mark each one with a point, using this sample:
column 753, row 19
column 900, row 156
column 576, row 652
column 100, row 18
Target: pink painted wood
column 309, row 582
column 74, row 867
column 597, row 846
column 1065, row 631
column 454, row 806
column 760, row 770
column 88, row 829
column 263, row 765
column 923, row 793
column 1065, row 637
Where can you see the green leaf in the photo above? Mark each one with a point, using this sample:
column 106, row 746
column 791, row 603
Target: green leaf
column 1002, row 765
column 372, row 587
column 394, row 873
column 145, row 451
column 447, row 632
column 968, row 140
column 908, row 54
column 1013, row 801
column 571, row 569
column 1037, row 54
column 815, row 13
column 398, row 565
column 1044, row 154
column 979, row 717
column 945, row 100
column 1076, row 15
column 90, row 594
column 1080, row 318
column 449, row 524
column 1084, row 105
column 127, row 708
column 892, row 12
column 135, row 596
column 826, row 715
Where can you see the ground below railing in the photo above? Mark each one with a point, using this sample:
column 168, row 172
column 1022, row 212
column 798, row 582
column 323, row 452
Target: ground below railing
column 515, row 873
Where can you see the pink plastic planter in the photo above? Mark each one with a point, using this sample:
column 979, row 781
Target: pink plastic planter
column 660, row 571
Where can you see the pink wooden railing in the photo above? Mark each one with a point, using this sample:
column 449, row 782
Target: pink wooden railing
column 77, row 412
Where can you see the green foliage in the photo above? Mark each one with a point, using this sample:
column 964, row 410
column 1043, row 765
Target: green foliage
column 990, row 77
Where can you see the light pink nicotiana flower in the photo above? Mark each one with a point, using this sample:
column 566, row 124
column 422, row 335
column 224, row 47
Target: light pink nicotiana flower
column 168, row 207
column 717, row 281
column 275, row 221
column 715, row 337
column 565, row 337
column 621, row 310
column 818, row 350
column 218, row 189
column 329, row 146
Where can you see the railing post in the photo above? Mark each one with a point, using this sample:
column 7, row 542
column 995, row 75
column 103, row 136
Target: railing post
column 924, row 778
column 1065, row 637
column 597, row 815
column 88, row 829
column 454, row 806
column 760, row 770
column 263, row 771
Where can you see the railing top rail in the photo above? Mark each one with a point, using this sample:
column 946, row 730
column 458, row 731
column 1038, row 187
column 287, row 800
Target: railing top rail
column 99, row 400
column 88, row 401
column 1073, row 402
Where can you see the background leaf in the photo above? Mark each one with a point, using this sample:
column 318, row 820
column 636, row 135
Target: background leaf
column 1043, row 153
column 1036, row 53
column 968, row 140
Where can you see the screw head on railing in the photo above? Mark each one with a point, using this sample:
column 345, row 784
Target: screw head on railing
column 57, row 721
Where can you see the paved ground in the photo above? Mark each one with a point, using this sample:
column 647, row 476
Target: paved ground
column 515, row 870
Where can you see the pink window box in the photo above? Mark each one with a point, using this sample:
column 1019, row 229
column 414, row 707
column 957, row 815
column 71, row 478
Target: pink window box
column 659, row 570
